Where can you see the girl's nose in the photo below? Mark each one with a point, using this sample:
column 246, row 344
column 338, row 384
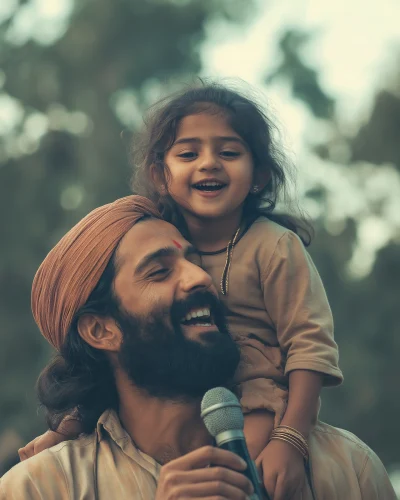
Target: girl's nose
column 210, row 161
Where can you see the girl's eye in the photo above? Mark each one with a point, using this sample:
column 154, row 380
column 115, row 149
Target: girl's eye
column 189, row 155
column 230, row 154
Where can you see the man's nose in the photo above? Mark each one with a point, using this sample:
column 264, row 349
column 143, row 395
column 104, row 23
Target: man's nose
column 194, row 278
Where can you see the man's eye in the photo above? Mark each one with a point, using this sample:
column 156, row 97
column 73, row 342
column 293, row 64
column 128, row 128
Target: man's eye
column 159, row 273
column 189, row 155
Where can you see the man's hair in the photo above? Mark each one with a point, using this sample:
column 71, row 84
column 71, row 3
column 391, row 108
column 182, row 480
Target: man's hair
column 79, row 381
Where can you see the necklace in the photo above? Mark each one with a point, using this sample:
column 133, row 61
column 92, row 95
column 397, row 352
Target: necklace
column 229, row 254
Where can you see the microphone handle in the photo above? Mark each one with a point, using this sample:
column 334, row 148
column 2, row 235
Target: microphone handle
column 238, row 446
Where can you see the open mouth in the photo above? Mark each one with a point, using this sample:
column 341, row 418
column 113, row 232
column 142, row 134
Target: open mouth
column 198, row 317
column 209, row 186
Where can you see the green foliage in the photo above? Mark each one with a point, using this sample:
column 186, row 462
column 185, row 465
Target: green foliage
column 302, row 79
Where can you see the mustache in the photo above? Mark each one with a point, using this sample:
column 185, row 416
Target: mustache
column 200, row 299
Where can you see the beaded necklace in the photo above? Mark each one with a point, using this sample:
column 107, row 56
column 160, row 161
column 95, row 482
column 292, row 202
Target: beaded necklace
column 229, row 253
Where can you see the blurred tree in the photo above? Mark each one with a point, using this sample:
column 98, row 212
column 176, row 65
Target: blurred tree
column 365, row 310
column 378, row 140
column 303, row 79
column 61, row 152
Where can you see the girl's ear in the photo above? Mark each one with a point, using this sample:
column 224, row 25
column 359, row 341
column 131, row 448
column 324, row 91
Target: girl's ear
column 261, row 178
column 158, row 180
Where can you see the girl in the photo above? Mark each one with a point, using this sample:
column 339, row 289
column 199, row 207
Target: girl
column 207, row 160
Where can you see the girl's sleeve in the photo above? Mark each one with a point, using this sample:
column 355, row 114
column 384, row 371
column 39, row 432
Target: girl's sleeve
column 296, row 302
column 256, row 390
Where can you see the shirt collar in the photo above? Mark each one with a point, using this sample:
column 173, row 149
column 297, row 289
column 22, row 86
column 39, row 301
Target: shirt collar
column 109, row 424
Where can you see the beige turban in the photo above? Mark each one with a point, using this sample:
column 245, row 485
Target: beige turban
column 72, row 269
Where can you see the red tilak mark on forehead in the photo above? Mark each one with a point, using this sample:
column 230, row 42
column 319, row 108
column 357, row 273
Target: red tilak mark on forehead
column 178, row 245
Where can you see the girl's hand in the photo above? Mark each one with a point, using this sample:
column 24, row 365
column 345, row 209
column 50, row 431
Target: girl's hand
column 69, row 428
column 40, row 443
column 281, row 469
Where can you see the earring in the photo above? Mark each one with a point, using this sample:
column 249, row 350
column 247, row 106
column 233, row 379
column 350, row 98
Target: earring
column 162, row 189
column 255, row 189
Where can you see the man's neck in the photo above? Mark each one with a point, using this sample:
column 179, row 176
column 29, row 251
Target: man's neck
column 164, row 430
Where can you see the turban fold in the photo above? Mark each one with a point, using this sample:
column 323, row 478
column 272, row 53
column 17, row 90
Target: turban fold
column 72, row 269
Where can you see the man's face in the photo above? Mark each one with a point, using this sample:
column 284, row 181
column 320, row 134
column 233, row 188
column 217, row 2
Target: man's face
column 176, row 344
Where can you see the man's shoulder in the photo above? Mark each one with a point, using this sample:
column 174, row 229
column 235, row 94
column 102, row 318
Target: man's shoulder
column 346, row 446
column 36, row 478
column 329, row 432
column 350, row 456
column 79, row 448
column 48, row 474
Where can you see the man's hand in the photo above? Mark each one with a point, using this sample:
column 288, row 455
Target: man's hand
column 191, row 477
column 281, row 468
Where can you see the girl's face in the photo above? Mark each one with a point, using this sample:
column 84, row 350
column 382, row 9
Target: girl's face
column 211, row 167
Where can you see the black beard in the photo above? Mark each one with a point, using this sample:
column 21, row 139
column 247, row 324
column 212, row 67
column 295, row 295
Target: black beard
column 161, row 360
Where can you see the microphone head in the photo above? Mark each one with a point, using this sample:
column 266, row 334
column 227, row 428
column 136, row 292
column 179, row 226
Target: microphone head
column 221, row 411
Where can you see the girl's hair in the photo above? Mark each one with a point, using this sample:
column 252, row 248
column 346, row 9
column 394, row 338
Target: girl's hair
column 79, row 381
column 247, row 119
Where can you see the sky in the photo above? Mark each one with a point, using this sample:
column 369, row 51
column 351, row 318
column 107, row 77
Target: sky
column 352, row 49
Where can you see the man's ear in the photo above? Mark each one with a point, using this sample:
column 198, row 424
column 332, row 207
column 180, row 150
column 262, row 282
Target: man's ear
column 100, row 332
column 261, row 177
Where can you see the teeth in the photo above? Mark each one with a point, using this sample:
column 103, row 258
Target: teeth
column 212, row 184
column 197, row 313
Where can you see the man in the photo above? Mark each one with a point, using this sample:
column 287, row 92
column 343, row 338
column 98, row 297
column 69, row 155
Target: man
column 141, row 337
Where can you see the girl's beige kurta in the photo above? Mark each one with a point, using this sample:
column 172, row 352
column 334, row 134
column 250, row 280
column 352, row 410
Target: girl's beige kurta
column 278, row 312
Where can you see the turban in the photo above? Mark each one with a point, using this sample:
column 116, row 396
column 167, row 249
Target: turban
column 72, row 269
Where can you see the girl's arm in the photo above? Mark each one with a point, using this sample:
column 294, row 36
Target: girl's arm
column 296, row 301
column 303, row 405
column 301, row 413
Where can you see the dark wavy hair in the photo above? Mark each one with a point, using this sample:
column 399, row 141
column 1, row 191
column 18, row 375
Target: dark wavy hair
column 79, row 381
column 247, row 119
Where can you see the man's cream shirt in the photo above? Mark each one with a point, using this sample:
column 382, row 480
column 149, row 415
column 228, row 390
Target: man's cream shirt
column 106, row 465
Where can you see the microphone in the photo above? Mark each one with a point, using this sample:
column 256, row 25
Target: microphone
column 223, row 418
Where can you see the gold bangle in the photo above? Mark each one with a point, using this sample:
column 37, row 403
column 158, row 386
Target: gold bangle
column 282, row 438
column 293, row 431
column 292, row 441
column 301, row 450
column 293, row 437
